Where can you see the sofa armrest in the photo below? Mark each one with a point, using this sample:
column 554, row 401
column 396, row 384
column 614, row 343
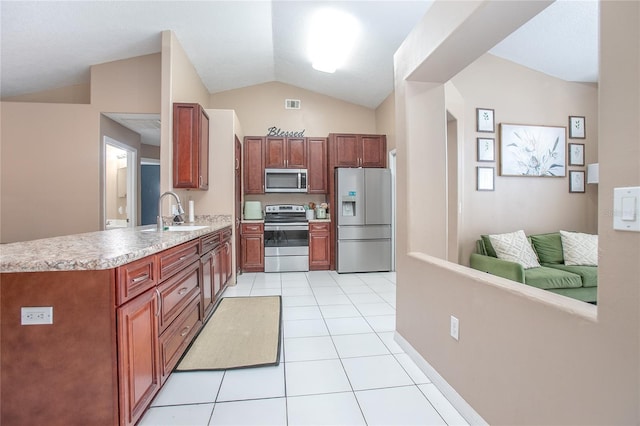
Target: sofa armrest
column 502, row 268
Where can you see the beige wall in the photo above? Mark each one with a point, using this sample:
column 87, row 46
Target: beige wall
column 522, row 96
column 76, row 94
column 50, row 170
column 386, row 121
column 262, row 106
column 51, row 153
column 525, row 356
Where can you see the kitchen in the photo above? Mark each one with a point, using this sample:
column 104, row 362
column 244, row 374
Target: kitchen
column 298, row 236
column 74, row 217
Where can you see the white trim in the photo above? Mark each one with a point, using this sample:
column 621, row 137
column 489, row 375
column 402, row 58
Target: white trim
column 393, row 167
column 132, row 180
column 447, row 390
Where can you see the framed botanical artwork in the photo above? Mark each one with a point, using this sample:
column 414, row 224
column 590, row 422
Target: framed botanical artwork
column 486, row 149
column 576, row 180
column 485, row 177
column 485, row 120
column 576, row 127
column 532, row 150
column 576, row 154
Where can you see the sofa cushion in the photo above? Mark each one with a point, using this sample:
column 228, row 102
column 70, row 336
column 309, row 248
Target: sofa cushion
column 486, row 242
column 579, row 248
column 547, row 278
column 548, row 247
column 589, row 274
column 514, row 247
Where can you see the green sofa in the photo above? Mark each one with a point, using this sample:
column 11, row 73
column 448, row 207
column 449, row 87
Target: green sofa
column 578, row 282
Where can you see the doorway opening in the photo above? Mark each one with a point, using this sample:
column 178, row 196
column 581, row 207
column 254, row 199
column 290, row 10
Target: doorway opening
column 119, row 188
column 149, row 190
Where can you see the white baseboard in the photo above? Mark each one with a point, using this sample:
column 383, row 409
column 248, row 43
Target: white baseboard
column 463, row 407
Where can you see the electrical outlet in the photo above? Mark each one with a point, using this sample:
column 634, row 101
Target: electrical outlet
column 36, row 315
column 455, row 327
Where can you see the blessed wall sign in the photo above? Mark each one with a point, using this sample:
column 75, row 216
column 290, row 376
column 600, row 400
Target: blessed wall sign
column 278, row 132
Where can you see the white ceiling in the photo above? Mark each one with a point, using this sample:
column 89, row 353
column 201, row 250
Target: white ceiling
column 235, row 44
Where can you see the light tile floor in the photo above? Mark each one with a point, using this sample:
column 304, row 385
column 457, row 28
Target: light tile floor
column 339, row 364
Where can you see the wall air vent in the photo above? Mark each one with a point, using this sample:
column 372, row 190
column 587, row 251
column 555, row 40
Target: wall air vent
column 292, row 103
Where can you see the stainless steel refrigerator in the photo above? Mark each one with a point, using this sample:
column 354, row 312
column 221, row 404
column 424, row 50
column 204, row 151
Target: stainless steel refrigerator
column 363, row 220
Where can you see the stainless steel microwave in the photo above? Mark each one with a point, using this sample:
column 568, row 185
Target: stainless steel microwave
column 285, row 180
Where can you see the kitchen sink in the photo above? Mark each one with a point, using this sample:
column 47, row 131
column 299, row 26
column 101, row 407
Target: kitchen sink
column 183, row 228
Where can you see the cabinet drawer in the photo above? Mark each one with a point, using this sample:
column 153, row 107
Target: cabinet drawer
column 175, row 259
column 252, row 228
column 178, row 336
column 225, row 234
column 319, row 227
column 209, row 242
column 135, row 278
column 177, row 292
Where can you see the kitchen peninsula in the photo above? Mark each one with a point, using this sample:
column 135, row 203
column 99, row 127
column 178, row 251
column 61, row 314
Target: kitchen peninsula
column 125, row 303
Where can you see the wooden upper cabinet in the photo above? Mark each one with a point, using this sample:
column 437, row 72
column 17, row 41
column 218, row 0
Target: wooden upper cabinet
column 274, row 153
column 285, row 153
column 352, row 150
column 253, row 165
column 317, row 166
column 374, row 151
column 346, row 149
column 190, row 146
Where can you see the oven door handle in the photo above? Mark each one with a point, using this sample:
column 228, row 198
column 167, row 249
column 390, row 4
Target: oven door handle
column 286, row 227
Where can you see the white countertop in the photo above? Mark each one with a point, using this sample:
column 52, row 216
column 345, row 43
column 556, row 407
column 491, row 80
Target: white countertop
column 101, row 249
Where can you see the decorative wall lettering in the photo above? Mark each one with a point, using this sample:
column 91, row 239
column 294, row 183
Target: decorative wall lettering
column 276, row 131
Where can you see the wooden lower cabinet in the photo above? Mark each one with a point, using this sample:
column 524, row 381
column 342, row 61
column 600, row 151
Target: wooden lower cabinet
column 117, row 334
column 319, row 246
column 217, row 269
column 138, row 355
column 252, row 247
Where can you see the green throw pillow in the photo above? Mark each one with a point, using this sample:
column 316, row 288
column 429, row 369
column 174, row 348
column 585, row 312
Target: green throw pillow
column 548, row 247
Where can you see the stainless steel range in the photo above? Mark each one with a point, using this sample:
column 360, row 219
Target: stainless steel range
column 286, row 238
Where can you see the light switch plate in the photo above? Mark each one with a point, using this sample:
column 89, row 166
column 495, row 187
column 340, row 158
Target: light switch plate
column 626, row 208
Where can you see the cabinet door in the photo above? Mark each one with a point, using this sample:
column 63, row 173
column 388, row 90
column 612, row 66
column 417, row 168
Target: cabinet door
column 374, row 151
column 228, row 263
column 207, row 271
column 275, row 153
column 319, row 246
column 317, row 166
column 218, row 276
column 190, row 146
column 296, row 153
column 252, row 247
column 253, row 166
column 347, row 151
column 204, row 150
column 138, row 355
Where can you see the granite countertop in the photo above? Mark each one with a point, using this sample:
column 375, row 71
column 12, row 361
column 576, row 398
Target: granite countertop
column 101, row 249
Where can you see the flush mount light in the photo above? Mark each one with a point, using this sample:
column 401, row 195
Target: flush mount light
column 332, row 36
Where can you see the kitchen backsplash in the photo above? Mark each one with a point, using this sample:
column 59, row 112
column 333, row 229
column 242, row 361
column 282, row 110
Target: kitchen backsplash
column 302, row 199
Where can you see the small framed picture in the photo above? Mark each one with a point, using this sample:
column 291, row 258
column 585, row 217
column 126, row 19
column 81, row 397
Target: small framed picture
column 486, row 149
column 576, row 154
column 485, row 178
column 576, row 180
column 485, row 120
column 576, row 127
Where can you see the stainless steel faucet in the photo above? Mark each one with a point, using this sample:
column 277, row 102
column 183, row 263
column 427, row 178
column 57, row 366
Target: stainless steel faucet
column 177, row 219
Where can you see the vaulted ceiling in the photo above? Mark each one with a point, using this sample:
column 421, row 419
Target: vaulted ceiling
column 235, row 44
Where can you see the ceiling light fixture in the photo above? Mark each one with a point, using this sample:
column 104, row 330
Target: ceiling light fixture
column 332, row 36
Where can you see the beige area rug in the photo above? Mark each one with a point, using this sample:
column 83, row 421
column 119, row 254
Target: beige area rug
column 242, row 332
